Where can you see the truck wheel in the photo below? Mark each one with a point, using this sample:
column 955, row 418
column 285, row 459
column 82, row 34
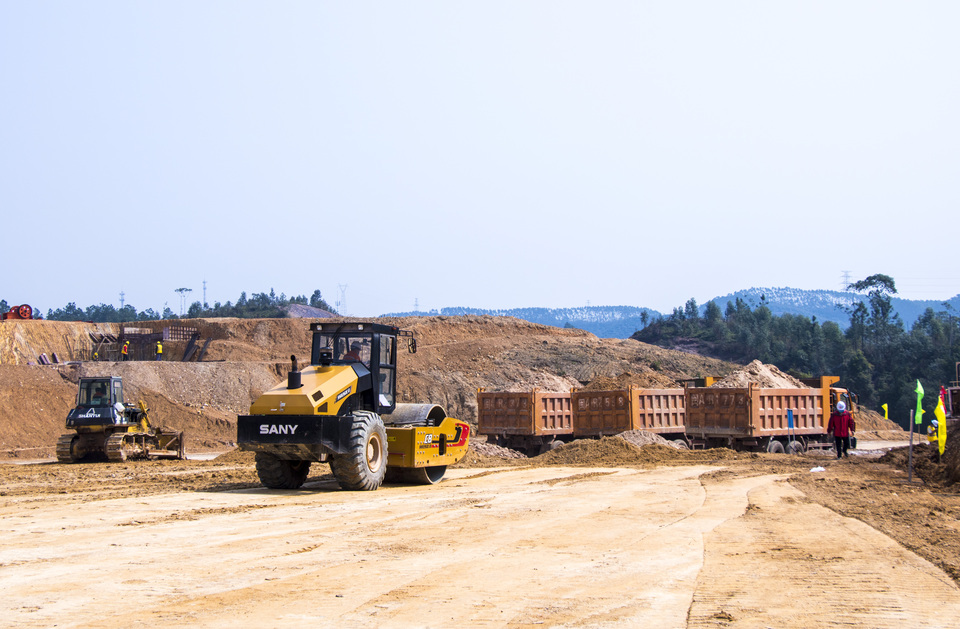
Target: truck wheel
column 547, row 446
column 277, row 473
column 681, row 444
column 364, row 465
column 795, row 447
column 775, row 447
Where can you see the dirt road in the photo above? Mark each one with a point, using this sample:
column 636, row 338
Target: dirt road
column 692, row 546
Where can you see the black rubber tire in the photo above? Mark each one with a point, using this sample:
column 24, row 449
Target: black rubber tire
column 795, row 447
column 547, row 446
column 775, row 447
column 364, row 466
column 682, row 444
column 277, row 473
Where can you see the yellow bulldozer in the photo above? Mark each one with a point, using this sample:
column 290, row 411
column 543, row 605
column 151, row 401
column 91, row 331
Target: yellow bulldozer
column 106, row 427
column 342, row 409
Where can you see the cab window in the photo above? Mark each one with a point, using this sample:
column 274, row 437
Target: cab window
column 388, row 379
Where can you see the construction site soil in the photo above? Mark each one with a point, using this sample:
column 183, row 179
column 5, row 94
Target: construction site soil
column 787, row 541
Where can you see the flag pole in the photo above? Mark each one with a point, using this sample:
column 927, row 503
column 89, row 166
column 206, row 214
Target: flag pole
column 910, row 454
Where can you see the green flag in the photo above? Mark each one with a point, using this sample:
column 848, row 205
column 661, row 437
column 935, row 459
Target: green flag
column 919, row 414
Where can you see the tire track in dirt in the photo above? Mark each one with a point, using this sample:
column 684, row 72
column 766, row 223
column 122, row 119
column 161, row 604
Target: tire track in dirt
column 553, row 546
column 788, row 558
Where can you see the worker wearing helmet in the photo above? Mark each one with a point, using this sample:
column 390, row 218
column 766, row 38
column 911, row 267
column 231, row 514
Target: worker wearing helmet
column 842, row 427
column 99, row 396
column 354, row 353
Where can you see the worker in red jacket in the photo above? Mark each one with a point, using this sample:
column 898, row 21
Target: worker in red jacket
column 842, row 427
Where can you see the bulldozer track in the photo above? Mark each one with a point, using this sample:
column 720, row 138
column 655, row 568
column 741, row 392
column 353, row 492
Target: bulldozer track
column 117, row 447
column 65, row 449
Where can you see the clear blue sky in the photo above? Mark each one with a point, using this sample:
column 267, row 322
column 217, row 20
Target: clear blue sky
column 487, row 154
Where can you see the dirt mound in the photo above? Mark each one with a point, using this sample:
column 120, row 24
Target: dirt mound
column 951, row 452
column 618, row 452
column 490, row 449
column 872, row 420
column 647, row 379
column 34, row 402
column 605, row 452
column 642, row 438
column 244, row 357
column 22, row 342
column 767, row 376
column 928, row 465
column 483, row 454
column 237, row 456
column 886, row 435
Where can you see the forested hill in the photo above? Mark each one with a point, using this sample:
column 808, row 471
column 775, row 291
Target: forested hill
column 605, row 321
column 825, row 305
column 623, row 321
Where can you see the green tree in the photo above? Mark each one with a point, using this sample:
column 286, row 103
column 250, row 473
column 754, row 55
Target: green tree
column 858, row 377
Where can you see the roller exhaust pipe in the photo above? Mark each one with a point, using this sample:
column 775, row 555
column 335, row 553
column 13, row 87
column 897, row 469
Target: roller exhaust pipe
column 293, row 376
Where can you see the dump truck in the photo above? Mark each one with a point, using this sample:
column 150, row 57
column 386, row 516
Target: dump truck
column 601, row 413
column 342, row 409
column 532, row 422
column 758, row 418
column 106, row 427
column 741, row 418
column 535, row 421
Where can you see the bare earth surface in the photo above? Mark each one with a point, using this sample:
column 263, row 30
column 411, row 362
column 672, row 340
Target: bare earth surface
column 666, row 538
column 597, row 533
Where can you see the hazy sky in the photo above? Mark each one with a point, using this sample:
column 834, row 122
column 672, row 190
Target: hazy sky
column 486, row 154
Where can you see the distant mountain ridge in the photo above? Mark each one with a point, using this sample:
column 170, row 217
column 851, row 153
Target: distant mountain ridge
column 826, row 305
column 604, row 321
column 623, row 321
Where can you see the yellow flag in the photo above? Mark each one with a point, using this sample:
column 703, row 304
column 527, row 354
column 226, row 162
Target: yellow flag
column 884, row 407
column 941, row 414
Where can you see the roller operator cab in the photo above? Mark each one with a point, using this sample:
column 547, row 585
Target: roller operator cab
column 342, row 409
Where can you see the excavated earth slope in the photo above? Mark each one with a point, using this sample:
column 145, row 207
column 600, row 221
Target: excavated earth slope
column 455, row 357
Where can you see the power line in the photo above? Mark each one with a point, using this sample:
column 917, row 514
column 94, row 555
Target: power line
column 845, row 283
column 342, row 301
